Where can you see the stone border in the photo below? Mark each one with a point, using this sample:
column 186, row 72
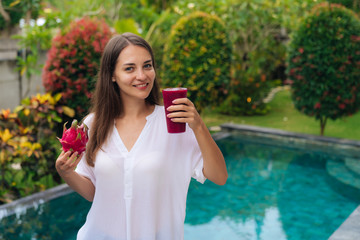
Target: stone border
column 22, row 204
column 345, row 147
column 228, row 127
column 350, row 228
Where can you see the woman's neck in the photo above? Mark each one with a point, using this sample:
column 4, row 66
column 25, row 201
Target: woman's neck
column 135, row 110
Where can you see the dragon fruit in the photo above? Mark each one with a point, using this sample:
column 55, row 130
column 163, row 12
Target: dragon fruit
column 74, row 138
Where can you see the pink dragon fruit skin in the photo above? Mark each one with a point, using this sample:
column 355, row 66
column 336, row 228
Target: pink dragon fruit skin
column 74, row 138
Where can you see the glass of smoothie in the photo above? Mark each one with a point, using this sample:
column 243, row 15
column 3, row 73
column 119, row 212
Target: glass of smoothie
column 170, row 94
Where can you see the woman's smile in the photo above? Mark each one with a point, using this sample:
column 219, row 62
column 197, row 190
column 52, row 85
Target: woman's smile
column 142, row 86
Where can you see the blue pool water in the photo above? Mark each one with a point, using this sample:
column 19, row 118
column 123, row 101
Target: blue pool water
column 273, row 193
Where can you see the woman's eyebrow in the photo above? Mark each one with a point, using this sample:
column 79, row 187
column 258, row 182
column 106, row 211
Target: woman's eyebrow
column 131, row 64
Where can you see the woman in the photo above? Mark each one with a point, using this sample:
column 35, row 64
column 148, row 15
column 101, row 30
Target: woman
column 136, row 174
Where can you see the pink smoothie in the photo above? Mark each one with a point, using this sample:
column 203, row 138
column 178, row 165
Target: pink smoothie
column 170, row 94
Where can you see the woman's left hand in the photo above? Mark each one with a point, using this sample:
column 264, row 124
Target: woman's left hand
column 184, row 111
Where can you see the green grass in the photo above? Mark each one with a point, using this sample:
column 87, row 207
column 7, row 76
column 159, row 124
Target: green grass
column 284, row 116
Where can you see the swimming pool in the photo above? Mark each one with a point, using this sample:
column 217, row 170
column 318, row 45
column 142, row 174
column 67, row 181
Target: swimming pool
column 275, row 191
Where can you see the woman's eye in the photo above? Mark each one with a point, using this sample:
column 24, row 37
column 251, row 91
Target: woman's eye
column 148, row 65
column 129, row 69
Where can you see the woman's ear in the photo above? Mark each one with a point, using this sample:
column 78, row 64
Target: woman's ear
column 113, row 79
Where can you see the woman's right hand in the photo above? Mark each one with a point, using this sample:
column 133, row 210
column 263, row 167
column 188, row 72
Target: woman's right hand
column 67, row 162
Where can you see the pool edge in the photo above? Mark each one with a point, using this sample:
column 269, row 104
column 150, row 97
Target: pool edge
column 350, row 228
column 22, row 204
column 272, row 131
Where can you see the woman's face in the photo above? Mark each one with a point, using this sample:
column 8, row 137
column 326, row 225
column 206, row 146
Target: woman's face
column 134, row 73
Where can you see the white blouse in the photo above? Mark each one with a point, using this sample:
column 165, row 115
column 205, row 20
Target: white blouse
column 141, row 194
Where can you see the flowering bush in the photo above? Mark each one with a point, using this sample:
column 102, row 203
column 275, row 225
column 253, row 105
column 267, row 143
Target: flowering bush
column 198, row 56
column 73, row 61
column 246, row 94
column 324, row 63
column 29, row 146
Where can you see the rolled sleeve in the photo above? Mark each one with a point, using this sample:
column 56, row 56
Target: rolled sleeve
column 198, row 173
column 85, row 170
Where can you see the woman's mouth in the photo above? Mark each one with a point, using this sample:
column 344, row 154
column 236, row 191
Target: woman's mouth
column 141, row 86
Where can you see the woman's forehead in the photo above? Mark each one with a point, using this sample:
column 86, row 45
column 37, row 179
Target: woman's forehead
column 133, row 53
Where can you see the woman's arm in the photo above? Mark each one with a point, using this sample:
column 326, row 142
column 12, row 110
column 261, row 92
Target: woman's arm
column 65, row 165
column 214, row 163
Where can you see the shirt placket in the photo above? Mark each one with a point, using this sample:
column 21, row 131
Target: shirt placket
column 128, row 191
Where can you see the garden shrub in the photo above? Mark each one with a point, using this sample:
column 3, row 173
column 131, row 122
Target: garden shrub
column 351, row 4
column 198, row 56
column 324, row 63
column 73, row 61
column 246, row 95
column 258, row 53
column 29, row 146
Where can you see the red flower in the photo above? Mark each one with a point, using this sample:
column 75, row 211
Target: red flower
column 342, row 106
column 317, row 105
column 299, row 77
column 296, row 59
column 355, row 38
column 263, row 77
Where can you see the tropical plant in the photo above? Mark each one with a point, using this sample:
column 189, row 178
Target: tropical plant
column 323, row 64
column 29, row 146
column 33, row 41
column 198, row 56
column 73, row 61
column 11, row 11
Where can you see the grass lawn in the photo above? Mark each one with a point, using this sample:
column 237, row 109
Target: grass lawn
column 284, row 116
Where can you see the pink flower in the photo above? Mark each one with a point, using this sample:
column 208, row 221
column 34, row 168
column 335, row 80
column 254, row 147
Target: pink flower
column 342, row 105
column 355, row 38
column 75, row 138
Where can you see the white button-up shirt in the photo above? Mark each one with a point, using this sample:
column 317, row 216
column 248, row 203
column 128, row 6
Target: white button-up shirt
column 141, row 194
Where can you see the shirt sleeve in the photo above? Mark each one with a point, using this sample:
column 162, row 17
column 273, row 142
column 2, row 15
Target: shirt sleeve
column 85, row 170
column 198, row 173
column 197, row 159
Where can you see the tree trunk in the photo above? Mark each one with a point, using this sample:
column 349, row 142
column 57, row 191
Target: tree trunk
column 4, row 14
column 6, row 17
column 322, row 125
column 356, row 5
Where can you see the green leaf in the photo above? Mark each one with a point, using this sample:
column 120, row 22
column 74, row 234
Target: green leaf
column 126, row 25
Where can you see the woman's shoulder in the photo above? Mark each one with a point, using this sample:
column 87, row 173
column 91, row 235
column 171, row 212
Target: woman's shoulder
column 159, row 110
column 88, row 119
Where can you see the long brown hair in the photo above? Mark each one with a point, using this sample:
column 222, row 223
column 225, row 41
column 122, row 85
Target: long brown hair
column 106, row 101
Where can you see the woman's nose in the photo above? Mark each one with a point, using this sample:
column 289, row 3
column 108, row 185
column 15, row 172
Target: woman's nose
column 140, row 74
